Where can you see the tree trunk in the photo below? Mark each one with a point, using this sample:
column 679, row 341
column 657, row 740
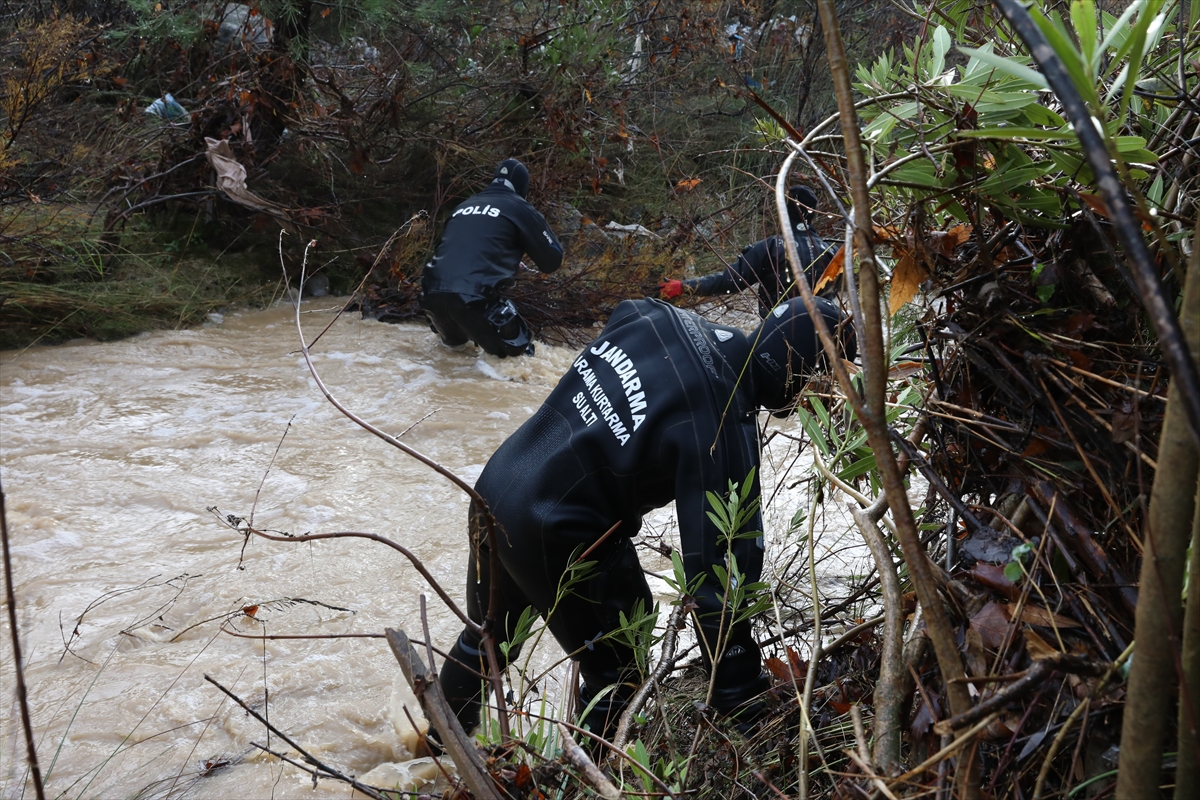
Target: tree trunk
column 1187, row 773
column 890, row 693
column 1153, row 680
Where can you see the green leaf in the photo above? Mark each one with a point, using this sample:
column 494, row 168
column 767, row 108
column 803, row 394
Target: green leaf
column 1144, row 37
column 919, row 172
column 677, row 568
column 1073, row 165
column 860, row 467
column 637, row 751
column 814, row 430
column 987, row 100
column 1060, row 41
column 1083, row 17
column 881, row 127
column 1118, row 29
column 1035, row 198
column 1008, row 66
column 1004, row 180
column 1130, row 144
column 1006, row 132
column 1013, row 571
column 1040, row 115
column 821, row 412
column 1155, row 193
column 941, row 46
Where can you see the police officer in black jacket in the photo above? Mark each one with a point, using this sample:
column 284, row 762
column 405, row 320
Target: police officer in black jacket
column 765, row 262
column 661, row 406
column 476, row 259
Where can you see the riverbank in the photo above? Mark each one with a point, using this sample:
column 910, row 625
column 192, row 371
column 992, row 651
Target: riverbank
column 59, row 279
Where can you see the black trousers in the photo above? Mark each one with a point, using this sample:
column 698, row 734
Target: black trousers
column 578, row 616
column 494, row 325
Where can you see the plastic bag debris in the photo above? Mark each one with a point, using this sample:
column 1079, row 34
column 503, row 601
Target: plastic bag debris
column 167, row 108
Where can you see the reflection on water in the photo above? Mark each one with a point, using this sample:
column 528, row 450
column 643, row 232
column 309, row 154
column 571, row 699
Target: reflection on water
column 112, row 456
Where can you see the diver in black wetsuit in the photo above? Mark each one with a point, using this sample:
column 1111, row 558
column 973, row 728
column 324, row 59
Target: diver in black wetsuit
column 476, row 259
column 660, row 407
column 765, row 262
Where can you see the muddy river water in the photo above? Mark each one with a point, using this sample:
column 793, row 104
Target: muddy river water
column 118, row 462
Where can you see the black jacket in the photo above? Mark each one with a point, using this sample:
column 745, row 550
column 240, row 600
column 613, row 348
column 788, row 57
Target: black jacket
column 483, row 242
column 658, row 408
column 765, row 264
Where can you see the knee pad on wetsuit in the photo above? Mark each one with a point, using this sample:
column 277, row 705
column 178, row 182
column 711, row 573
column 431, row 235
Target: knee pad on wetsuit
column 618, row 585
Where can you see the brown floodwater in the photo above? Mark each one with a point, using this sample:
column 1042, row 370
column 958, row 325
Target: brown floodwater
column 119, row 462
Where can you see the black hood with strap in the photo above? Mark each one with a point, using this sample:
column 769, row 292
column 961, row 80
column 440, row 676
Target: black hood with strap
column 515, row 174
column 787, row 350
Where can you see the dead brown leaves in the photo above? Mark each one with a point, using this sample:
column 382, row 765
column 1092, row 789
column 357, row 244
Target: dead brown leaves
column 913, row 259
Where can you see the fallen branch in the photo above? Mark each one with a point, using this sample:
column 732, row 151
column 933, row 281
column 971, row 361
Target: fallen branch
column 889, row 696
column 1042, row 669
column 390, row 793
column 871, row 408
column 404, row 551
column 665, row 663
column 576, row 757
column 457, row 743
column 967, row 737
column 1080, row 535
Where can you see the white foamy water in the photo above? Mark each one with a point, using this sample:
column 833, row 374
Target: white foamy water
column 111, row 456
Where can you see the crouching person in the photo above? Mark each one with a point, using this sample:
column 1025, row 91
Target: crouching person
column 661, row 406
column 476, row 260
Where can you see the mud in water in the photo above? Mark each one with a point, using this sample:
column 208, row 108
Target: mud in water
column 119, row 462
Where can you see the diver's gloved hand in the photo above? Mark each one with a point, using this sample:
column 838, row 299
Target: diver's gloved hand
column 670, row 289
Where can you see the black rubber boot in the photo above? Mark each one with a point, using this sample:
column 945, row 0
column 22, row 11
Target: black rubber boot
column 605, row 715
column 460, row 682
column 740, row 678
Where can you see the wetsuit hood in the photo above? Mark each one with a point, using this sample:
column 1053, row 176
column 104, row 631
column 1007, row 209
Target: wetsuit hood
column 787, row 351
column 801, row 205
column 515, row 173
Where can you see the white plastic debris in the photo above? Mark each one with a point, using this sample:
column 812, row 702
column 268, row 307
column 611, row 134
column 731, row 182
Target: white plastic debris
column 167, row 108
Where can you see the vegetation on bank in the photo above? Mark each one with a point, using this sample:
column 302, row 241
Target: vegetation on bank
column 351, row 119
column 1020, row 188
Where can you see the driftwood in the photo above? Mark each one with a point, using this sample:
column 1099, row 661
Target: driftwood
column 577, row 757
column 457, row 742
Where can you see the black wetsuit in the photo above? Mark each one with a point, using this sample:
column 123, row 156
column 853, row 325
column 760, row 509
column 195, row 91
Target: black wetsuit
column 765, row 264
column 658, row 408
column 475, row 260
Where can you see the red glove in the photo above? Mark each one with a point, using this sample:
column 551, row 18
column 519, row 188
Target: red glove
column 670, row 289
